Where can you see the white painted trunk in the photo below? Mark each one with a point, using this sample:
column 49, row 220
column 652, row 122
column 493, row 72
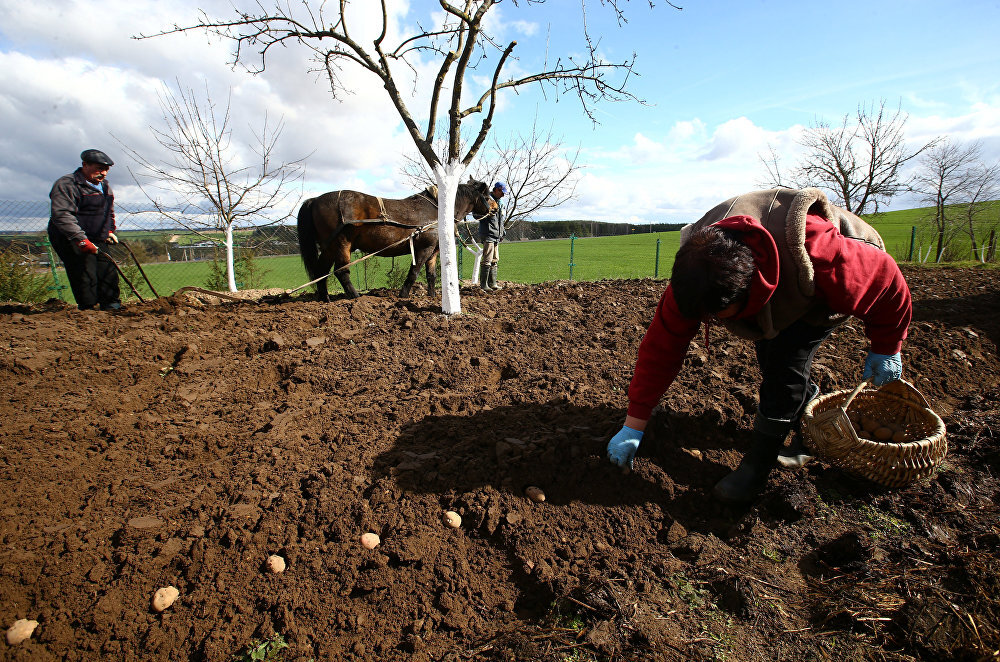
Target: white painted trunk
column 230, row 259
column 448, row 178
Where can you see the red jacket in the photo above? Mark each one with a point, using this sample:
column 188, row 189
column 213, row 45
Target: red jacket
column 851, row 277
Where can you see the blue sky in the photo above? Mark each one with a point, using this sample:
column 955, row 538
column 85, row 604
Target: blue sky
column 723, row 81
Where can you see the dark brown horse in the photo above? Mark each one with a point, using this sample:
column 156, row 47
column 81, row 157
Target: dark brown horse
column 336, row 223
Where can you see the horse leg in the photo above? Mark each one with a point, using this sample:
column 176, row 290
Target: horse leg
column 343, row 257
column 430, row 270
column 411, row 278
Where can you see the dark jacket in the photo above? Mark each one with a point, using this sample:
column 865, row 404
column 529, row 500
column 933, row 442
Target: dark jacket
column 79, row 211
column 491, row 226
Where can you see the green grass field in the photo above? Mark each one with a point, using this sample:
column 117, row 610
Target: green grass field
column 593, row 258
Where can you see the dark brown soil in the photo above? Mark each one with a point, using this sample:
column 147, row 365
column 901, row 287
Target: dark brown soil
column 181, row 442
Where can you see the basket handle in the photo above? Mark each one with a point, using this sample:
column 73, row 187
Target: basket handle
column 850, row 398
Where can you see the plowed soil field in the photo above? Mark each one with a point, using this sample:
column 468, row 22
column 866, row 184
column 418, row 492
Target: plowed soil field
column 183, row 441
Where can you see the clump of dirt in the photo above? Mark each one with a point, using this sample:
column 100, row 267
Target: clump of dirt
column 183, row 441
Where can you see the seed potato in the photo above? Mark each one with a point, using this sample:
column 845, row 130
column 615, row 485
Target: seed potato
column 452, row 519
column 275, row 564
column 370, row 540
column 20, row 631
column 534, row 493
column 164, row 597
column 883, row 433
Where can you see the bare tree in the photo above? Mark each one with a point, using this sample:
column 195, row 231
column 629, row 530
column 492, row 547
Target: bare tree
column 462, row 45
column 204, row 181
column 860, row 161
column 537, row 168
column 984, row 188
column 953, row 181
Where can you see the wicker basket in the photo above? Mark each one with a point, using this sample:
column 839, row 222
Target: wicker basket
column 828, row 432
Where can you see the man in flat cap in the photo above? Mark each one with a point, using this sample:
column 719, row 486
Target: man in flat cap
column 80, row 227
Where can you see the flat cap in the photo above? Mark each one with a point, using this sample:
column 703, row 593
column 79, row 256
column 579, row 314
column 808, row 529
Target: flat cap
column 96, row 156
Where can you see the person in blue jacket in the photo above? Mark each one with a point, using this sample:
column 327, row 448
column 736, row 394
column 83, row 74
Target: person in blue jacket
column 491, row 233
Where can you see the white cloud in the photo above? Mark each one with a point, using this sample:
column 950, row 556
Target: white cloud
column 71, row 88
column 736, row 139
column 72, row 75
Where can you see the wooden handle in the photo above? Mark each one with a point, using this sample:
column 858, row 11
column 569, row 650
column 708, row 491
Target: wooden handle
column 850, row 398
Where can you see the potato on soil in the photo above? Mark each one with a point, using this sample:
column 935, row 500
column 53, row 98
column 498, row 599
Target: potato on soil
column 20, row 631
column 164, row 597
column 452, row 519
column 370, row 540
column 275, row 564
column 534, row 493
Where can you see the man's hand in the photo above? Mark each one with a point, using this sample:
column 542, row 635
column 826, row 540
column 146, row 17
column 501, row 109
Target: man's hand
column 882, row 368
column 112, row 238
column 622, row 447
column 85, row 246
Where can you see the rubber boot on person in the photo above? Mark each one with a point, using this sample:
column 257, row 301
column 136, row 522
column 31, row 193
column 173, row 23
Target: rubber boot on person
column 748, row 480
column 492, row 278
column 484, row 278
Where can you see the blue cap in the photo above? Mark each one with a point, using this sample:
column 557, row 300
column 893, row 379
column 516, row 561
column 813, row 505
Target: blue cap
column 503, row 187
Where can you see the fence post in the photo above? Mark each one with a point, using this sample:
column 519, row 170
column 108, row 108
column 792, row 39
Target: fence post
column 572, row 239
column 52, row 265
column 913, row 238
column 458, row 249
column 656, row 269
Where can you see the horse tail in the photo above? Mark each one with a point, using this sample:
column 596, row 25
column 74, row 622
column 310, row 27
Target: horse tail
column 309, row 239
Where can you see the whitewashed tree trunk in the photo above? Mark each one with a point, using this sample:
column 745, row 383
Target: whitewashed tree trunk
column 230, row 258
column 448, row 178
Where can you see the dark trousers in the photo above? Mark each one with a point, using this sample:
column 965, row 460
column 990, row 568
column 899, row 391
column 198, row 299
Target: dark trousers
column 785, row 388
column 92, row 278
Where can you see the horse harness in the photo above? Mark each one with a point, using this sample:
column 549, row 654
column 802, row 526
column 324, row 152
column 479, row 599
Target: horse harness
column 383, row 219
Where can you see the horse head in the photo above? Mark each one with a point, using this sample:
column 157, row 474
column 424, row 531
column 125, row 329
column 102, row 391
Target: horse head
column 478, row 194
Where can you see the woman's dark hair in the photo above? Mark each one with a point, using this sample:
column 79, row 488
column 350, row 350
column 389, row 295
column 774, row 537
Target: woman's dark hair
column 712, row 270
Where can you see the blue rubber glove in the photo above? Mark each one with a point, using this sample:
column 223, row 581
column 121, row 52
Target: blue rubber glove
column 622, row 447
column 882, row 369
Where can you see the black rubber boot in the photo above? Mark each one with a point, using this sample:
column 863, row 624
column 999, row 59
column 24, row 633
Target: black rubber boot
column 484, row 278
column 796, row 455
column 493, row 278
column 750, row 478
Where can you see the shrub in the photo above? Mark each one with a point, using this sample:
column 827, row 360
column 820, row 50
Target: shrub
column 249, row 274
column 18, row 281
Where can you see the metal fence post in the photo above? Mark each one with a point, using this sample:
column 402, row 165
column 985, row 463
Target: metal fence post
column 52, row 265
column 572, row 239
column 913, row 238
column 656, row 269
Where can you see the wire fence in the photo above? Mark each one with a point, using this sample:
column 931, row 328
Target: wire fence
column 172, row 256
